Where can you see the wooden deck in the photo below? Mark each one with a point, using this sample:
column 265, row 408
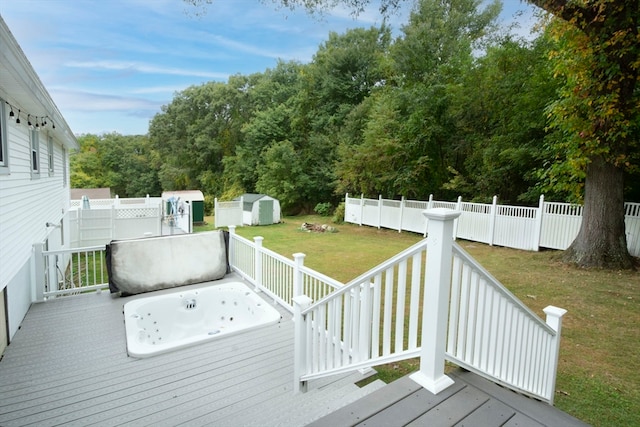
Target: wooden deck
column 68, row 365
column 470, row 401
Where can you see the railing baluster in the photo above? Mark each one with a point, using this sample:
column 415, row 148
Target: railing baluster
column 377, row 304
column 364, row 349
column 355, row 325
column 416, row 268
column 400, row 302
column 348, row 326
column 388, row 313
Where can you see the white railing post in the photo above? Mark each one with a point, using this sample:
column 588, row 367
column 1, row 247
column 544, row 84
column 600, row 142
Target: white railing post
column 38, row 272
column 298, row 258
column 554, row 320
column 300, row 303
column 232, row 245
column 379, row 211
column 402, row 202
column 539, row 214
column 435, row 307
column 258, row 261
column 492, row 220
column 361, row 208
column 346, row 206
column 457, row 221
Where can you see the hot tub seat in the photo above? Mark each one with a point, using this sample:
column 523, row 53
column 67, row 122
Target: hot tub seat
column 142, row 265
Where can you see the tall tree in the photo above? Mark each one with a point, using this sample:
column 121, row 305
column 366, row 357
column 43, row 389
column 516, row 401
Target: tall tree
column 599, row 113
column 501, row 110
column 125, row 163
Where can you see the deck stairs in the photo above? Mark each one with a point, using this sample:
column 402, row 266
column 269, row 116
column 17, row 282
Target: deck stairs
column 471, row 401
column 286, row 409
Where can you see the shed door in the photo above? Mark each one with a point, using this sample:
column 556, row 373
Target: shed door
column 265, row 212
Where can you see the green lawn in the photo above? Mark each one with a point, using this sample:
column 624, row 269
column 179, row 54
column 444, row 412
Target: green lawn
column 598, row 377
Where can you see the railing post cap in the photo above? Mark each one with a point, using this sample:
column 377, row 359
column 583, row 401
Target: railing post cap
column 299, row 255
column 441, row 214
column 554, row 311
column 302, row 300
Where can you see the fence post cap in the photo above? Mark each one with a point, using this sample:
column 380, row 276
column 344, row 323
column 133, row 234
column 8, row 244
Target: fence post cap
column 442, row 214
column 554, row 311
column 302, row 300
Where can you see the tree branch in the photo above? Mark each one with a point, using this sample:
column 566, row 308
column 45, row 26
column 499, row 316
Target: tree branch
column 580, row 16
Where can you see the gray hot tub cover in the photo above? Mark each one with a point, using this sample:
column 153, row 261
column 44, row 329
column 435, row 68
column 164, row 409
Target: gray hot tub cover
column 143, row 265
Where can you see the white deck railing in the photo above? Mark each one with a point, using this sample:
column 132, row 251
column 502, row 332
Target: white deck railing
column 278, row 276
column 492, row 333
column 69, row 271
column 436, row 307
column 440, row 306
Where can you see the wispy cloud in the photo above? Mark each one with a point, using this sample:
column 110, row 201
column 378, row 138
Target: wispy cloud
column 112, row 64
column 86, row 101
column 144, row 68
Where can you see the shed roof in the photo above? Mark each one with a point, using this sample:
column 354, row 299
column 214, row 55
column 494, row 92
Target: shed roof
column 191, row 195
column 251, row 197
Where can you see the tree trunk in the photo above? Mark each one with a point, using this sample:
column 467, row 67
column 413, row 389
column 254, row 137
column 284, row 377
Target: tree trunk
column 601, row 241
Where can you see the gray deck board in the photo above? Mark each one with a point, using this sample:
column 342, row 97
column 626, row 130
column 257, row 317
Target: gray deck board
column 491, row 413
column 68, row 365
column 470, row 401
column 450, row 411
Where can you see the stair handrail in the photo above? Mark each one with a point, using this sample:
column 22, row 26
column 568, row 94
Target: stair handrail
column 355, row 326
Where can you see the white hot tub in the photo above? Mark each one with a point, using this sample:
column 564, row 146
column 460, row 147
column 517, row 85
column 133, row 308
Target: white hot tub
column 163, row 323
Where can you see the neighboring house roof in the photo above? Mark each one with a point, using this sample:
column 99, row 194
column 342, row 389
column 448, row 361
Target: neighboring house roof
column 191, row 195
column 21, row 87
column 91, row 193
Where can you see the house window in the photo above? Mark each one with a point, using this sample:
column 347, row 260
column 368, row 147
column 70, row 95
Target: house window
column 4, row 155
column 35, row 154
column 50, row 153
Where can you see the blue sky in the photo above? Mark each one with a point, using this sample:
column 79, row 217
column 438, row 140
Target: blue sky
column 110, row 65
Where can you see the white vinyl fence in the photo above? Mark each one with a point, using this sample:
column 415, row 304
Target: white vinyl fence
column 549, row 225
column 99, row 221
column 228, row 213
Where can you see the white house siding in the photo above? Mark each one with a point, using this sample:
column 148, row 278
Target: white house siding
column 26, row 205
column 4, row 339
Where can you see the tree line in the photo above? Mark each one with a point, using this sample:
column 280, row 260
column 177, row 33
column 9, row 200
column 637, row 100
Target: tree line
column 454, row 105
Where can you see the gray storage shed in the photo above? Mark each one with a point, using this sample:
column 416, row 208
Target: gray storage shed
column 259, row 209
